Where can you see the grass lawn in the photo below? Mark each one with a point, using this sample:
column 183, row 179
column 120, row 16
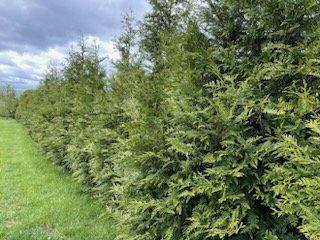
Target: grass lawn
column 37, row 200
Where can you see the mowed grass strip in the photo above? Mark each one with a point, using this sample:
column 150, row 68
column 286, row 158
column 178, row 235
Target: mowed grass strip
column 37, row 200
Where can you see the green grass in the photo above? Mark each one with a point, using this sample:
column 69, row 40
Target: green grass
column 37, row 200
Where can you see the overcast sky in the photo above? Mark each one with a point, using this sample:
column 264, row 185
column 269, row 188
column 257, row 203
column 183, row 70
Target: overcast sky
column 34, row 33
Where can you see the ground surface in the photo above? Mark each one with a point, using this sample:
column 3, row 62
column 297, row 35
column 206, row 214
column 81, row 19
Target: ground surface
column 37, row 200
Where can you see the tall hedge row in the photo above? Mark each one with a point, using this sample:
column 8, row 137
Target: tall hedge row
column 208, row 129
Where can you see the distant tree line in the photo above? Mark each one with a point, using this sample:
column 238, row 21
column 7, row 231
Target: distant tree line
column 8, row 101
column 208, row 129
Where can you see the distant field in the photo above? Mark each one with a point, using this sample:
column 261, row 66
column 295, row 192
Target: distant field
column 37, row 200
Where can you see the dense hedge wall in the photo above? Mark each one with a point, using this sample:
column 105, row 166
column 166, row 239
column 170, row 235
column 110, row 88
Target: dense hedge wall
column 211, row 130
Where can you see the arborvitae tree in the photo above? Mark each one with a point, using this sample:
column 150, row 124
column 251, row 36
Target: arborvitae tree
column 85, row 80
column 126, row 41
column 23, row 111
column 142, row 106
column 225, row 165
column 157, row 27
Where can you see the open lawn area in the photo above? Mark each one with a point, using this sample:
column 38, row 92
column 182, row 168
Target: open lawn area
column 40, row 201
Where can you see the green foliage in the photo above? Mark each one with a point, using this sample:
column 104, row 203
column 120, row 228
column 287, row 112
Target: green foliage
column 8, row 102
column 209, row 131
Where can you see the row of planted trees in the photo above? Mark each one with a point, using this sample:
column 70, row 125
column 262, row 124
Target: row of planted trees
column 208, row 129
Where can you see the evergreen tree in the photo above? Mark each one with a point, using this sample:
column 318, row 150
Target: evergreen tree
column 211, row 174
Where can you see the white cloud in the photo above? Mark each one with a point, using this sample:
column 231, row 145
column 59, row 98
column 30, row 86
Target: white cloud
column 107, row 48
column 25, row 70
column 34, row 33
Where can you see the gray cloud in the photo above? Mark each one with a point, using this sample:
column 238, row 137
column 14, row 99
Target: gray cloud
column 34, row 27
column 39, row 24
